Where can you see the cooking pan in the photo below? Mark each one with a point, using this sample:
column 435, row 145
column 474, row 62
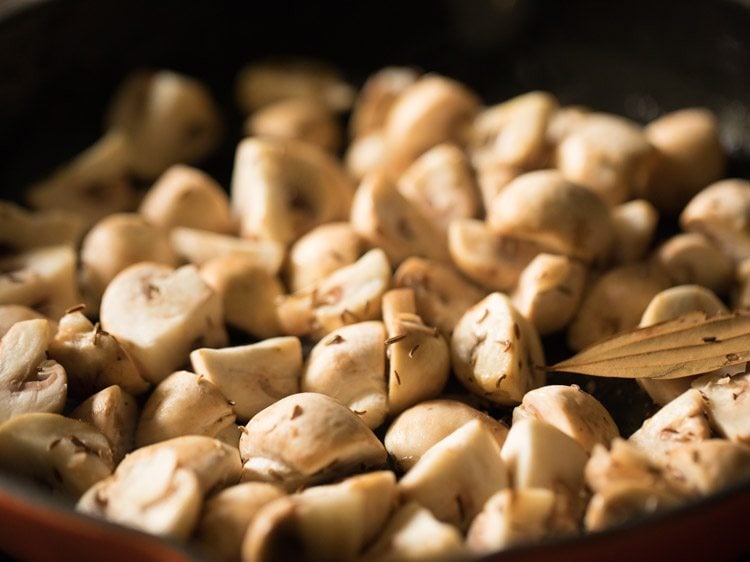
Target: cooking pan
column 60, row 62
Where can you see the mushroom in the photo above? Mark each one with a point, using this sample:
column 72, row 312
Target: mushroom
column 385, row 218
column 571, row 410
column 560, row 216
column 492, row 178
column 708, row 466
column 565, row 121
column 43, row 279
column 549, row 291
column 249, row 293
column 23, row 230
column 306, row 439
column 725, row 397
column 158, row 314
column 418, row 428
column 114, row 243
column 691, row 258
column 440, row 293
column 349, row 365
column 283, row 188
column 620, row 504
column 301, row 119
column 365, row 155
column 634, row 224
column 230, row 435
column 624, row 464
column 12, row 313
column 741, row 293
column 185, row 196
column 496, row 353
column 418, row 356
column 29, row 382
column 227, row 516
column 441, row 184
column 721, row 212
column 183, row 404
column 376, row 98
column 689, row 156
column 456, row 476
column 349, row 295
column 252, row 377
column 68, row 455
column 609, row 155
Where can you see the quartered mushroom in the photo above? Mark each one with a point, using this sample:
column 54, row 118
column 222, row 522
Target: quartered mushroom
column 183, row 404
column 307, row 439
column 114, row 412
column 349, row 365
column 496, row 352
column 186, row 196
column 549, row 291
column 620, row 504
column 376, row 98
column 708, row 466
column 457, row 475
column 349, row 295
column 386, row 219
column 365, row 155
column 68, row 455
column 691, row 258
column 725, row 395
column 12, row 313
column 441, row 294
column 158, row 314
column 253, row 376
column 21, row 229
column 332, row 522
column 29, row 382
column 634, row 224
column 420, row 427
column 248, row 291
column 571, row 410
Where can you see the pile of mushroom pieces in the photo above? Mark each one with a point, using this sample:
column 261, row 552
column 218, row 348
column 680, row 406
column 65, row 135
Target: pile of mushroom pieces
column 445, row 243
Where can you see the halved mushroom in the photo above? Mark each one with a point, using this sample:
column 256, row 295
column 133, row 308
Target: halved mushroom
column 691, row 258
column 376, row 98
column 349, row 366
column 563, row 217
column 12, row 313
column 571, row 410
column 418, row 356
column 386, row 219
column 725, row 396
column 43, row 279
column 158, row 314
column 249, row 293
column 307, row 439
column 496, row 353
column 634, row 224
column 708, row 466
column 549, row 291
column 457, row 475
column 68, row 455
column 349, row 295
column 29, row 382
column 114, row 412
column 252, row 377
column 420, row 427
column 186, row 196
column 283, row 188
column 183, row 404
column 22, row 230
column 441, row 294
column 620, row 504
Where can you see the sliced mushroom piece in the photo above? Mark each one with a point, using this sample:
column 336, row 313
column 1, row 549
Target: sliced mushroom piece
column 281, row 189
column 365, row 155
column 386, row 219
column 624, row 464
column 549, row 291
column 349, row 365
column 563, row 217
column 571, row 410
column 349, row 295
column 159, row 314
column 726, row 397
column 496, row 353
column 420, row 427
column 12, row 313
column 691, row 258
column 441, row 294
column 227, row 516
column 23, row 230
column 457, row 475
column 201, row 246
column 252, row 376
column 29, row 382
column 307, row 439
column 249, row 293
column 320, row 252
column 185, row 196
column 418, row 356
column 628, row 502
column 114, row 243
column 634, row 224
column 68, row 455
column 721, row 212
column 708, row 466
column 183, row 404
column 43, row 279
column 376, row 98
column 683, row 420
column 442, row 186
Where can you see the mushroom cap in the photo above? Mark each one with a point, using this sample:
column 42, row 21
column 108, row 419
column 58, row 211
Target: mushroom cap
column 691, row 258
column 375, row 99
column 12, row 313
